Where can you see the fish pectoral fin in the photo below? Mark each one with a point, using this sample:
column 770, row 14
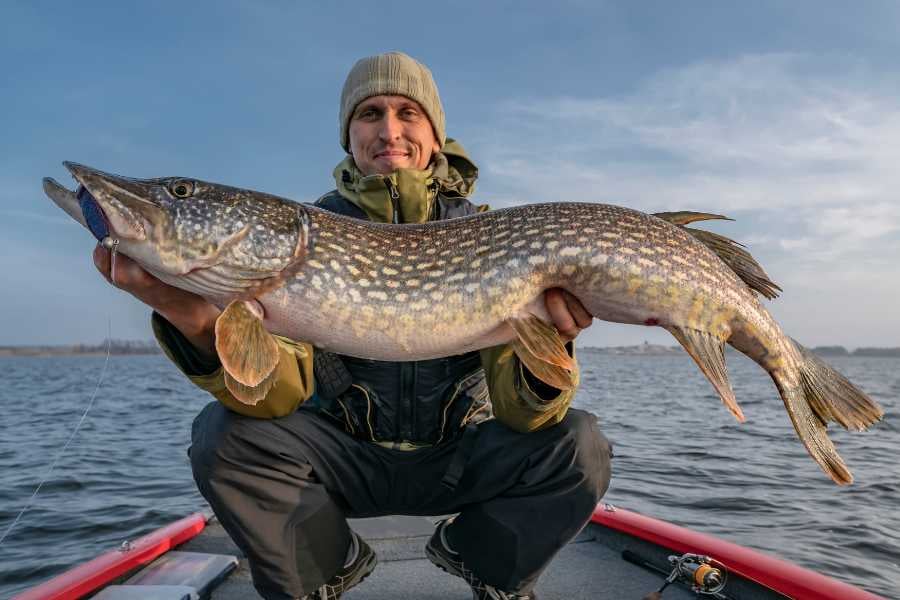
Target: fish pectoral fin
column 247, row 394
column 248, row 352
column 542, row 351
column 550, row 374
column 708, row 351
column 683, row 217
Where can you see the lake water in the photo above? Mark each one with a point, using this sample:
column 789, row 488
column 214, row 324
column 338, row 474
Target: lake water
column 680, row 456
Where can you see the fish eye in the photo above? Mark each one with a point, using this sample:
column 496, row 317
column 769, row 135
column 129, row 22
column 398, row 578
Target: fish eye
column 182, row 188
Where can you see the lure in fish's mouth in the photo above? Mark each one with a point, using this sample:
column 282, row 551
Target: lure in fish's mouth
column 114, row 206
column 93, row 214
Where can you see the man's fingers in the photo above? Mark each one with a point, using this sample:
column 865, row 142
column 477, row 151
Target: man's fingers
column 128, row 274
column 581, row 315
column 560, row 315
column 102, row 260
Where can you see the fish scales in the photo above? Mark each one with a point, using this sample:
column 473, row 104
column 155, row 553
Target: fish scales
column 484, row 277
column 412, row 292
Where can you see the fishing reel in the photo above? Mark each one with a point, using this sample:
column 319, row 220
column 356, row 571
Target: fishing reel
column 705, row 575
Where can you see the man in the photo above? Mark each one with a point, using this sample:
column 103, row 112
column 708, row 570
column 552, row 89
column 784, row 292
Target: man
column 342, row 437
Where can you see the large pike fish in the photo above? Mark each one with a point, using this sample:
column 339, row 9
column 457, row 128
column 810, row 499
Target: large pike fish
column 410, row 292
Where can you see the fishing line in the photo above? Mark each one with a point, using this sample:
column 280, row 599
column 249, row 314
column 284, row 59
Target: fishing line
column 113, row 247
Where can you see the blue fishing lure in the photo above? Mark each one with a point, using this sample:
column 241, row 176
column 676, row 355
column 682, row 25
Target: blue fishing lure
column 93, row 214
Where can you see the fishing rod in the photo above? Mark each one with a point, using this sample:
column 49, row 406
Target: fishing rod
column 65, row 447
column 97, row 225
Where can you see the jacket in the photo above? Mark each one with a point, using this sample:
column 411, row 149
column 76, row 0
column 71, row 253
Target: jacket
column 400, row 404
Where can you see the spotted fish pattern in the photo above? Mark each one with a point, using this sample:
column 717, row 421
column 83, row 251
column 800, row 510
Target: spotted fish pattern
column 413, row 292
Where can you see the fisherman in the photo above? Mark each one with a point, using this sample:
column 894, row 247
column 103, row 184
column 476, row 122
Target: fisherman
column 475, row 435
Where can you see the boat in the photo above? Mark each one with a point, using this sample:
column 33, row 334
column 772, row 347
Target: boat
column 619, row 555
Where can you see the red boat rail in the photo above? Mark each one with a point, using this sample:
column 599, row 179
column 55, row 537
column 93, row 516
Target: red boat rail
column 778, row 575
column 90, row 576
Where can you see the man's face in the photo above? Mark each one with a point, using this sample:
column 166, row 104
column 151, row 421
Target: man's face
column 389, row 133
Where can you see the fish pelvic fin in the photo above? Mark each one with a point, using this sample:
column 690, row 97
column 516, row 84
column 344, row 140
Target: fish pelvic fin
column 248, row 352
column 708, row 351
column 543, row 352
column 732, row 253
column 833, row 398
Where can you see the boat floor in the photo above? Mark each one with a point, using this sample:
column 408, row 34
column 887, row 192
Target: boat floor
column 590, row 567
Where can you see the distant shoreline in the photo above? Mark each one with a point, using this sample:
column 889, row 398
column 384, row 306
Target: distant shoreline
column 115, row 348
column 126, row 348
column 647, row 349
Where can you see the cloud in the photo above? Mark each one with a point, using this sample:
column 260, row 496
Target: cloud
column 756, row 131
column 16, row 214
column 803, row 150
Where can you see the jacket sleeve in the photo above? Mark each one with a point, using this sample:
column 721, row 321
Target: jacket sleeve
column 517, row 403
column 294, row 383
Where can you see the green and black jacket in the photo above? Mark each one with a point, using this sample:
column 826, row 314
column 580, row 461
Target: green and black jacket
column 398, row 404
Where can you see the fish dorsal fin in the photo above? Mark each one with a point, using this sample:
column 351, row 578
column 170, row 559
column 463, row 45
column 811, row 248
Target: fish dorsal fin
column 683, row 217
column 731, row 252
column 708, row 352
column 739, row 260
column 542, row 351
column 248, row 352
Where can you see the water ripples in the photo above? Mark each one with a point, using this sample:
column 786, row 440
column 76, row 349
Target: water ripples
column 680, row 456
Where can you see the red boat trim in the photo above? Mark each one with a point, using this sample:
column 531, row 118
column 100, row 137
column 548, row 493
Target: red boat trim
column 776, row 574
column 90, row 576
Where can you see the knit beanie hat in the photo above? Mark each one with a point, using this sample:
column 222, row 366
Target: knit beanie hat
column 391, row 73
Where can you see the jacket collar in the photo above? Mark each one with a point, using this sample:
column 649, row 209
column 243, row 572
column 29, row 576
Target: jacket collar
column 408, row 195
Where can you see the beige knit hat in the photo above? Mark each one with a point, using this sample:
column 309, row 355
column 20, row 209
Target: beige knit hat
column 391, row 73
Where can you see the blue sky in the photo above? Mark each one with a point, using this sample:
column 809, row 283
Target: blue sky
column 784, row 116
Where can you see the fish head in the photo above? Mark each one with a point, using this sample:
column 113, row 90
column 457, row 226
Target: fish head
column 187, row 231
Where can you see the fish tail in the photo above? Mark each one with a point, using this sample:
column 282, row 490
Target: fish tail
column 833, row 398
column 821, row 395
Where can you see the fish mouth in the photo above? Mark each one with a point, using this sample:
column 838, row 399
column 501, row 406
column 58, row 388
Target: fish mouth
column 112, row 205
column 80, row 205
column 64, row 198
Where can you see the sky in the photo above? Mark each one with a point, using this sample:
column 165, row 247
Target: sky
column 783, row 116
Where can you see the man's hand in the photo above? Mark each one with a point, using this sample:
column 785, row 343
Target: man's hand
column 568, row 314
column 189, row 313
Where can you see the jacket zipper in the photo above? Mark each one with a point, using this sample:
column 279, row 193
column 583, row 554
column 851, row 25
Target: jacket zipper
column 407, row 401
column 395, row 197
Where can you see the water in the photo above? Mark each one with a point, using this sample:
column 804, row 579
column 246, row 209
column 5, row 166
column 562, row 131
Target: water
column 680, row 456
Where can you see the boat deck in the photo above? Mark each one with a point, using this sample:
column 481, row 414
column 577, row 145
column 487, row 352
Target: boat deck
column 619, row 555
column 591, row 567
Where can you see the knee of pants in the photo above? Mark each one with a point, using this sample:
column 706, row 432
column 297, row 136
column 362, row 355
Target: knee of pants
column 590, row 451
column 210, row 432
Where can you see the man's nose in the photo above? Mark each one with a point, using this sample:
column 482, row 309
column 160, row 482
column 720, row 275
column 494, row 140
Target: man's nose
column 391, row 127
